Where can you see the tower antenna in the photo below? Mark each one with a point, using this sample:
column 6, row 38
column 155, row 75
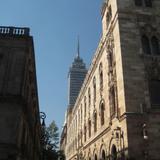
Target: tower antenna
column 78, row 49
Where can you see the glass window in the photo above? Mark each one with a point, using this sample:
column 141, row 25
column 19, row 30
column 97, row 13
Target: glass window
column 102, row 113
column 112, row 101
column 101, row 76
column 94, row 89
column 95, row 122
column 138, row 2
column 155, row 45
column 85, row 132
column 146, row 45
column 85, row 107
column 148, row 3
column 103, row 155
column 154, row 89
column 89, row 128
column 89, row 96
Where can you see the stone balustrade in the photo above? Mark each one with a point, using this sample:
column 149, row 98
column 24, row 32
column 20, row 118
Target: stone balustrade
column 14, row 31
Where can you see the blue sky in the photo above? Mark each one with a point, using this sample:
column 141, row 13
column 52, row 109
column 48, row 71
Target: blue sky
column 55, row 25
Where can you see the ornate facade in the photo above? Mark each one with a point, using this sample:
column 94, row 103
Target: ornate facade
column 117, row 113
column 19, row 108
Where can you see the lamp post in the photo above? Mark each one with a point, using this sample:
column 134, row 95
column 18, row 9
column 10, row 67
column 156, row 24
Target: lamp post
column 145, row 138
column 43, row 134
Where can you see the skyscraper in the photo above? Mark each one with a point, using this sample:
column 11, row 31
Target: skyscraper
column 77, row 73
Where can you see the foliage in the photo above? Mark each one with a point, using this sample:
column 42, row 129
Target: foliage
column 50, row 143
column 52, row 136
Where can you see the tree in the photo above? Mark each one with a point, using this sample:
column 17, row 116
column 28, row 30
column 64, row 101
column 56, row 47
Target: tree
column 51, row 141
column 53, row 136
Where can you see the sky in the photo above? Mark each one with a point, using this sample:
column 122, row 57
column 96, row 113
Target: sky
column 55, row 26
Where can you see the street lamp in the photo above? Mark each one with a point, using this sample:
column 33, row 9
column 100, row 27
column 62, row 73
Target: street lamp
column 43, row 127
column 43, row 117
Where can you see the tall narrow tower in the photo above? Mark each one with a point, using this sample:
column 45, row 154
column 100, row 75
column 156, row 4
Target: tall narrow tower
column 77, row 73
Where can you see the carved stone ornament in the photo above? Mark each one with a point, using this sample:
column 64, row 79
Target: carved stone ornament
column 110, row 44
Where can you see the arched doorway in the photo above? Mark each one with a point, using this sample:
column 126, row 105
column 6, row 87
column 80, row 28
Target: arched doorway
column 103, row 155
column 114, row 153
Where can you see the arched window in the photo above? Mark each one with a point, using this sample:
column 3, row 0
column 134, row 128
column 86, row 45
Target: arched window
column 146, row 45
column 148, row 3
column 114, row 153
column 103, row 155
column 155, row 45
column 101, row 76
column 94, row 89
column 95, row 121
column 138, row 2
column 102, row 108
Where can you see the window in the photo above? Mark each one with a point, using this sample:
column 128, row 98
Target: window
column 94, row 89
column 81, row 113
column 114, row 153
column 95, row 157
column 81, row 138
column 101, row 76
column 112, row 101
column 89, row 97
column 150, row 46
column 146, row 45
column 155, row 45
column 154, row 89
column 89, row 128
column 138, row 2
column 148, row 3
column 103, row 155
column 95, row 121
column 85, row 133
column 85, row 106
column 102, row 113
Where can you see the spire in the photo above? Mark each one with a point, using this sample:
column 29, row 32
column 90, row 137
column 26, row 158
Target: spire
column 78, row 49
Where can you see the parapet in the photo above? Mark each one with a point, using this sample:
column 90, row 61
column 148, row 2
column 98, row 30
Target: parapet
column 17, row 31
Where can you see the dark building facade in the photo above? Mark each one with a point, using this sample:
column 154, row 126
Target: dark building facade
column 19, row 108
column 76, row 77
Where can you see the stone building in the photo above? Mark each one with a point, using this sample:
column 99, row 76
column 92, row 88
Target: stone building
column 117, row 113
column 19, row 109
